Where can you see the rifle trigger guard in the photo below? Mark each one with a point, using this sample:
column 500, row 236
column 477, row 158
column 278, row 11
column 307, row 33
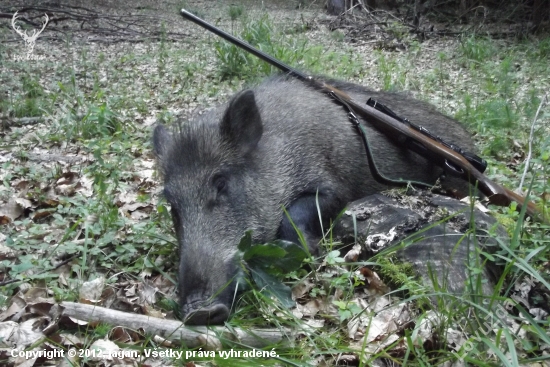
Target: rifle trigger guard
column 453, row 170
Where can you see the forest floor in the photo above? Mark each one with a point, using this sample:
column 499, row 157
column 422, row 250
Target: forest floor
column 82, row 218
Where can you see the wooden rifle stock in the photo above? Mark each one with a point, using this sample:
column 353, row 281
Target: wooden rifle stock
column 497, row 194
column 394, row 129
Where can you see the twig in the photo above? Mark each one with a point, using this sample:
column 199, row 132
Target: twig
column 176, row 331
column 545, row 98
column 126, row 28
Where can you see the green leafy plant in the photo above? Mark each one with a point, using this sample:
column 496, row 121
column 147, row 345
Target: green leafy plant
column 234, row 62
column 235, row 12
column 390, row 72
column 475, row 50
column 268, row 263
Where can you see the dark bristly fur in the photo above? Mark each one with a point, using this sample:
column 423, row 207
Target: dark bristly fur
column 276, row 146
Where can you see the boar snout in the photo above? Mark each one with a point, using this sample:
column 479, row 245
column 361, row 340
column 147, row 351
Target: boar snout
column 213, row 314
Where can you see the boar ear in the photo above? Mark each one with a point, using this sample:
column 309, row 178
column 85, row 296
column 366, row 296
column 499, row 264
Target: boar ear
column 161, row 141
column 242, row 125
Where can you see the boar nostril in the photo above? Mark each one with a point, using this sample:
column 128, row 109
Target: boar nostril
column 211, row 315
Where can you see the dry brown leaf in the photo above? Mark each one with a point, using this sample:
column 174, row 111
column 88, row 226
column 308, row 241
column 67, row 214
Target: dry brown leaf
column 381, row 344
column 353, row 254
column 141, row 214
column 86, row 186
column 163, row 285
column 125, row 197
column 124, row 335
column 67, row 340
column 146, row 273
column 36, row 294
column 301, row 289
column 10, row 212
column 90, row 292
column 24, row 203
column 40, row 308
column 374, row 282
column 129, row 304
column 538, row 313
column 68, row 178
column 130, row 291
column 297, row 313
column 65, row 190
column 22, row 186
column 76, row 321
column 29, row 332
column 107, row 348
column 147, row 293
column 455, row 339
column 382, row 324
column 151, row 311
column 7, row 329
column 64, row 272
column 430, row 322
column 310, row 309
column 40, row 214
column 6, row 253
column 17, row 306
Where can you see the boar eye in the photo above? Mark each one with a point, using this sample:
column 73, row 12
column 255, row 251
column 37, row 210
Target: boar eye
column 220, row 183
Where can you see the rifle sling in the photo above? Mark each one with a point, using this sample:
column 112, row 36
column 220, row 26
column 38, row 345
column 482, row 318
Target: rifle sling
column 375, row 171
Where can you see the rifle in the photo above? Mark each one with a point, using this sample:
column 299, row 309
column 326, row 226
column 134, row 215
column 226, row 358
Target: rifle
column 453, row 159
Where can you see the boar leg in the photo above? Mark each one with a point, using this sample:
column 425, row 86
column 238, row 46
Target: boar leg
column 304, row 213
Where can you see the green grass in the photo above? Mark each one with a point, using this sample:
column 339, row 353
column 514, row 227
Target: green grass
column 99, row 103
column 234, row 62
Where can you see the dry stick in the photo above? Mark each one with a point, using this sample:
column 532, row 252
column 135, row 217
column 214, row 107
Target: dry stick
column 545, row 98
column 176, row 331
column 120, row 24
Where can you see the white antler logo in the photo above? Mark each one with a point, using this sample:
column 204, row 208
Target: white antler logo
column 29, row 39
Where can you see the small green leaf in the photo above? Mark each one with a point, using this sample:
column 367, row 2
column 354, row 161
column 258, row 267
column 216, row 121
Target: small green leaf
column 333, row 258
column 264, row 251
column 488, row 256
column 246, row 241
column 22, row 267
column 293, row 259
column 344, row 315
column 270, row 285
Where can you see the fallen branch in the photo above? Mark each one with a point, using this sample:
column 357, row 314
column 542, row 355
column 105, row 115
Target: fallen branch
column 176, row 331
column 107, row 28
